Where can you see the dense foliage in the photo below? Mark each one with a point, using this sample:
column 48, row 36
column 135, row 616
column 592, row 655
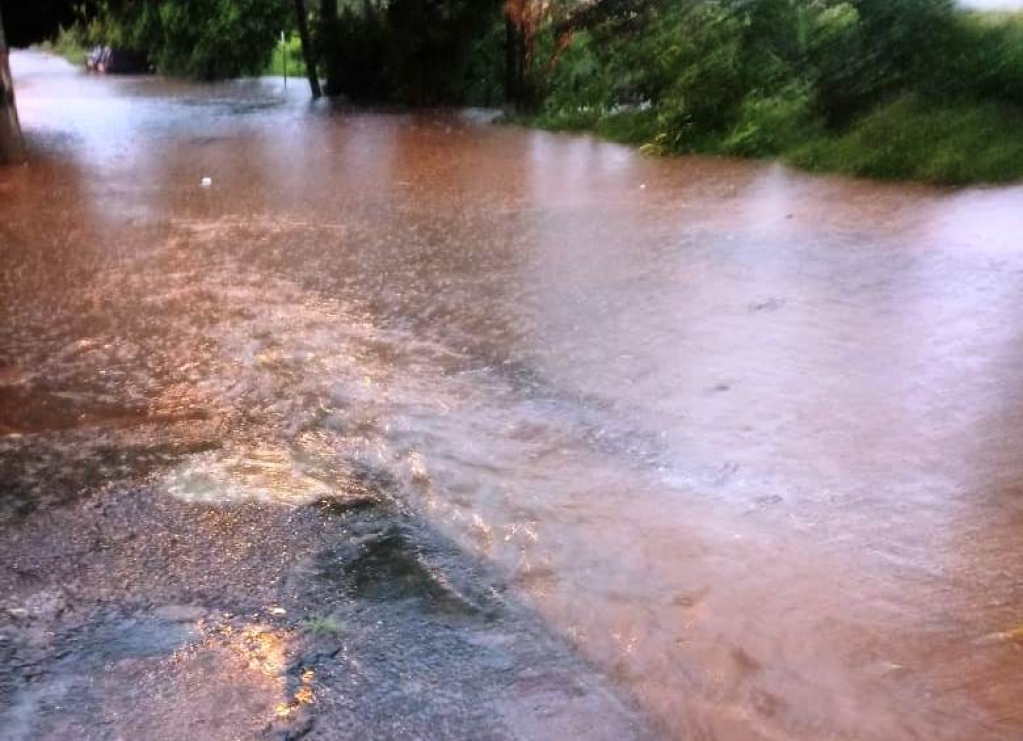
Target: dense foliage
column 850, row 85
column 202, row 39
column 415, row 51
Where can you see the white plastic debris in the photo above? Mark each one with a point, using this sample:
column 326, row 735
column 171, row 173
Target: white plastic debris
column 206, row 182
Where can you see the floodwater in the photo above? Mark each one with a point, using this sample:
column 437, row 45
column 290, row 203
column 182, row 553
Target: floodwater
column 418, row 425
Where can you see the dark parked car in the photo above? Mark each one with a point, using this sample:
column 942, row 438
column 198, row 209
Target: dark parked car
column 116, row 61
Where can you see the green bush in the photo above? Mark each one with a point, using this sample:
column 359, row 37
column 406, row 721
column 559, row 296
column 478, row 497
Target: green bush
column 771, row 124
column 578, row 81
column 882, row 88
column 983, row 60
column 708, row 86
column 202, row 39
column 910, row 139
column 216, row 39
column 70, row 43
column 291, row 51
column 412, row 51
column 893, row 46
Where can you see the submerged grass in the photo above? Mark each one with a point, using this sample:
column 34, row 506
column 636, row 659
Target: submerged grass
column 325, row 625
column 625, row 127
column 907, row 139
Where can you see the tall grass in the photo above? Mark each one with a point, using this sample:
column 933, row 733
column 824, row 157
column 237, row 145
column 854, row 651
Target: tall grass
column 892, row 89
column 69, row 43
column 913, row 140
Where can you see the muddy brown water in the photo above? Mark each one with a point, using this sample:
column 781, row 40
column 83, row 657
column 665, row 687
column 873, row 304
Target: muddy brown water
column 748, row 442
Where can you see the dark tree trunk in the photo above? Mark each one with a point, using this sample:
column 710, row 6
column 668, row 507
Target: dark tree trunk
column 302, row 18
column 11, row 149
column 509, row 61
column 514, row 64
column 327, row 38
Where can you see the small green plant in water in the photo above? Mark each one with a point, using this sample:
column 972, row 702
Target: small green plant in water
column 325, row 625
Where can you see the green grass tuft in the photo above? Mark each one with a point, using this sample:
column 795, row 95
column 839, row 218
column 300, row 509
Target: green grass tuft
column 325, row 625
column 911, row 140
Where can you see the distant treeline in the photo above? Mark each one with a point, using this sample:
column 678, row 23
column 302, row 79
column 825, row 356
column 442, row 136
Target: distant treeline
column 416, row 51
column 889, row 88
column 201, row 39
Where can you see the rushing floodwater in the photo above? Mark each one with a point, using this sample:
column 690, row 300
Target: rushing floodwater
column 751, row 441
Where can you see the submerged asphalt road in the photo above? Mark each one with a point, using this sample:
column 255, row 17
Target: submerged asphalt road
column 414, row 426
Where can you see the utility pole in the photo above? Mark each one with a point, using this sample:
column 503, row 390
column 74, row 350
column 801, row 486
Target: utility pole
column 11, row 147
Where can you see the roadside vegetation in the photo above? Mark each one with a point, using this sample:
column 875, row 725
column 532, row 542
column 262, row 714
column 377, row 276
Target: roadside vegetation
column 75, row 42
column 287, row 57
column 913, row 139
column 895, row 89
column 199, row 39
column 68, row 43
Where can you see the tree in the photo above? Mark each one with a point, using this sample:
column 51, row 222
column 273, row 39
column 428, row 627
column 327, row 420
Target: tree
column 302, row 19
column 11, row 149
column 523, row 21
column 414, row 51
column 202, row 39
column 526, row 20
